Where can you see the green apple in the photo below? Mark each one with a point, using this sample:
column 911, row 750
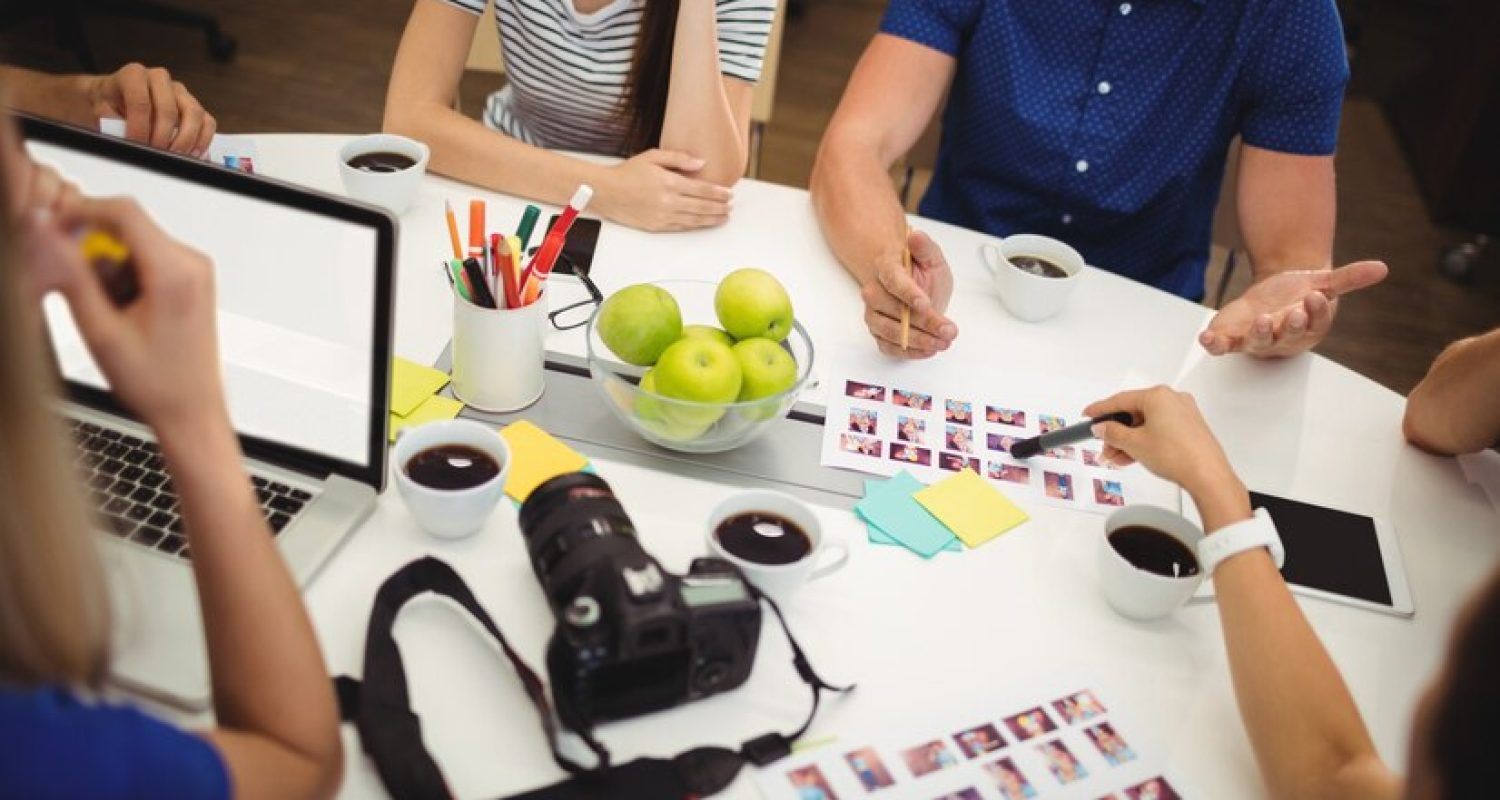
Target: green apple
column 752, row 303
column 707, row 332
column 638, row 322
column 702, row 371
column 768, row 370
column 651, row 416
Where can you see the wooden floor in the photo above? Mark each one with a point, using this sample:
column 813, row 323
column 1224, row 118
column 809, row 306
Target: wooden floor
column 323, row 67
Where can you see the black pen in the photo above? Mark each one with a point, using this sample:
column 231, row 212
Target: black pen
column 1026, row 448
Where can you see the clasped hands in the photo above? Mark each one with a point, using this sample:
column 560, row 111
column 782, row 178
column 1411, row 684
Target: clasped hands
column 1280, row 315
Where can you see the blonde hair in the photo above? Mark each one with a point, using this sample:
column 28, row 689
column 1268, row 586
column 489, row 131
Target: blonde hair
column 54, row 606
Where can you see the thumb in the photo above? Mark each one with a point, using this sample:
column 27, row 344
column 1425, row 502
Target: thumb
column 1352, row 278
column 925, row 253
column 1118, row 436
column 59, row 265
column 675, row 160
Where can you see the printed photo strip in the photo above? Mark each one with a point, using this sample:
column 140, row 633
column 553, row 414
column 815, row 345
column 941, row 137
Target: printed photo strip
column 911, row 429
column 863, row 420
column 975, row 742
column 967, row 793
column 1058, row 485
column 1154, row 789
column 958, row 412
column 1011, row 473
column 860, row 445
column 864, row 391
column 869, row 769
column 953, row 462
column 915, row 401
column 958, row 439
column 1080, row 707
column 911, row 454
column 1009, row 779
column 1030, row 724
column 1109, row 743
column 1061, row 762
column 810, row 783
column 928, row 758
column 1005, row 416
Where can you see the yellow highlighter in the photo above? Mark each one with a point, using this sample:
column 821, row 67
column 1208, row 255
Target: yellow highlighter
column 110, row 258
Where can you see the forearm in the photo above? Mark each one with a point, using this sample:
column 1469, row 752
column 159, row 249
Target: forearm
column 856, row 206
column 1303, row 725
column 270, row 684
column 60, row 97
column 1456, row 408
column 1287, row 207
column 465, row 149
column 700, row 119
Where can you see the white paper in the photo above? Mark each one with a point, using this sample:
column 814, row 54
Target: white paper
column 226, row 150
column 957, row 755
column 1483, row 468
column 883, row 418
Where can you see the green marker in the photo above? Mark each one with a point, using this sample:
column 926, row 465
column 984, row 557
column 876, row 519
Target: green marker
column 528, row 224
column 457, row 268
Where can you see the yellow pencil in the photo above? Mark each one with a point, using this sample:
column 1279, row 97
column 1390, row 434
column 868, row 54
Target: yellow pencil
column 905, row 309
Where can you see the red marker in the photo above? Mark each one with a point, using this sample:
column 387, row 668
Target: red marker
column 546, row 256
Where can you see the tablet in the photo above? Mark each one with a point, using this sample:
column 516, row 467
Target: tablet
column 1332, row 555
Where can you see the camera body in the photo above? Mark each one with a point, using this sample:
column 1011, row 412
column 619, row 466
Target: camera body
column 631, row 637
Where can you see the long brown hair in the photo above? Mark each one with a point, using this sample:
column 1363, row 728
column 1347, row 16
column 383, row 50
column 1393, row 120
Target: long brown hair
column 54, row 608
column 644, row 102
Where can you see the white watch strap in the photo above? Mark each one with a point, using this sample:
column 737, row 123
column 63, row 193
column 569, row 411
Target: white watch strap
column 1231, row 540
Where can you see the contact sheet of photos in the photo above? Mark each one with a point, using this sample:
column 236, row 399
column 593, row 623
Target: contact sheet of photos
column 1067, row 747
column 883, row 427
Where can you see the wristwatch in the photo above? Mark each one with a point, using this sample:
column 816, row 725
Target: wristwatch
column 1231, row 540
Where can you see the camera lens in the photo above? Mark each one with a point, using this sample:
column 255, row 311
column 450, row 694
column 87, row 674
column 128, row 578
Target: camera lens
column 565, row 515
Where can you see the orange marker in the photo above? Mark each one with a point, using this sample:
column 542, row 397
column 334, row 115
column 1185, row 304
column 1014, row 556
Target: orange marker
column 476, row 230
column 458, row 250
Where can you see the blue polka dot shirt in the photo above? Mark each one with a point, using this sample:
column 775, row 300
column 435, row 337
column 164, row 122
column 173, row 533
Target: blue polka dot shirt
column 1106, row 123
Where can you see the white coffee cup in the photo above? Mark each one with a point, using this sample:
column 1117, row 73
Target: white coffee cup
column 1027, row 296
column 779, row 580
column 1137, row 593
column 451, row 513
column 393, row 191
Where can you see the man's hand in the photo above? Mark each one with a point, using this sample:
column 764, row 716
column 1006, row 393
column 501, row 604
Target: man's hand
column 926, row 291
column 1286, row 313
column 157, row 110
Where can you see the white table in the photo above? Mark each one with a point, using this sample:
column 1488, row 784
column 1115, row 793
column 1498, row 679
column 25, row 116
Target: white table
column 1305, row 427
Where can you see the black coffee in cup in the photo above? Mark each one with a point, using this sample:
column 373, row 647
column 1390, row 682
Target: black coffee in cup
column 381, row 161
column 763, row 538
column 1038, row 266
column 451, row 467
column 1154, row 551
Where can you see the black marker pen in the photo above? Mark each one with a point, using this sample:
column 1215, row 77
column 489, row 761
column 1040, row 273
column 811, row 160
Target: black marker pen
column 1026, row 448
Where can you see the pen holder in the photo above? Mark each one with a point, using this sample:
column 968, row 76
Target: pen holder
column 498, row 354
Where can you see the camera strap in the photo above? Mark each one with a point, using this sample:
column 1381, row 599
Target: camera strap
column 379, row 706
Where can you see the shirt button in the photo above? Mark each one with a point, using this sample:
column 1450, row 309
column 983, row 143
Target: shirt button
column 1067, row 219
column 1124, row 9
column 1104, row 87
column 1081, row 166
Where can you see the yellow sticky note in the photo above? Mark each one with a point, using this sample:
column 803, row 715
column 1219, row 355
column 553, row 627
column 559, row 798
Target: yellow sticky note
column 535, row 457
column 974, row 510
column 432, row 409
column 411, row 384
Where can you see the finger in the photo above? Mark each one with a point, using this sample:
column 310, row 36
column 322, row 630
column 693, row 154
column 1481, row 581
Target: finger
column 904, row 289
column 206, row 136
column 135, row 101
column 1132, row 400
column 1115, row 457
column 692, row 206
column 1261, row 336
column 1120, row 437
column 1319, row 315
column 889, row 328
column 189, row 121
column 895, row 351
column 675, row 160
column 693, row 222
column 1351, row 278
column 57, row 264
column 127, row 220
column 877, row 298
column 1294, row 324
column 1217, row 344
column 925, row 253
column 43, row 187
column 164, row 114
column 703, row 190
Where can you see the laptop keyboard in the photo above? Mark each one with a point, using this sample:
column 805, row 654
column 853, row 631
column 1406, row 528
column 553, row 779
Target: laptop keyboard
column 135, row 498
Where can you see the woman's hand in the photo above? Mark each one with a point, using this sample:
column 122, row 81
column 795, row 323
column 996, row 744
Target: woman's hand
column 160, row 353
column 654, row 191
column 1172, row 440
column 157, row 110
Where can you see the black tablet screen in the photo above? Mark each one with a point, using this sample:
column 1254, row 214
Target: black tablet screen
column 1333, row 551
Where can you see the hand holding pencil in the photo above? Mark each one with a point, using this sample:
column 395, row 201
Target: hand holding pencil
column 918, row 293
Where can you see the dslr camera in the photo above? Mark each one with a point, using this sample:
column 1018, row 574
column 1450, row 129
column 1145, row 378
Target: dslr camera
column 631, row 637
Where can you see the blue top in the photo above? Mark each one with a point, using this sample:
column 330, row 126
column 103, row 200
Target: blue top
column 57, row 747
column 1106, row 123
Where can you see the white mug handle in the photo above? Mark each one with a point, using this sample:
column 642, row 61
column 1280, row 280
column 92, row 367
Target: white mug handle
column 827, row 567
column 990, row 257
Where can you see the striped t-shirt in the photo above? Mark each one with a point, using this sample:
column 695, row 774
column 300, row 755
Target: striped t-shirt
column 566, row 71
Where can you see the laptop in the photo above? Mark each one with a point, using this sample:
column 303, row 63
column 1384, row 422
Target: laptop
column 304, row 323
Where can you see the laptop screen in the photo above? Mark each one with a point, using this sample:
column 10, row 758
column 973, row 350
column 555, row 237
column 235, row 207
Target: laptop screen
column 298, row 316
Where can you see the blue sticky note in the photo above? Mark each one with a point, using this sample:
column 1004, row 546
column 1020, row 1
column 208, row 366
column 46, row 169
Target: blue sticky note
column 890, row 507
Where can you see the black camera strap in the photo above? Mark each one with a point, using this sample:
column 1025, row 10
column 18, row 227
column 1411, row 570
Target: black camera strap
column 391, row 733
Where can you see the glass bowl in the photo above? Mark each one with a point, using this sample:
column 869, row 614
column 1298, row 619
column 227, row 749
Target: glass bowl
column 684, row 425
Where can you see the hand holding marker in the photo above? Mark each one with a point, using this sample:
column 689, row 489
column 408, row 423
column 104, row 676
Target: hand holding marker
column 491, row 275
column 1026, row 448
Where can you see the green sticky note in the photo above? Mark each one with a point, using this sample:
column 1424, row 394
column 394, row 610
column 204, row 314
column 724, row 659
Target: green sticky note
column 891, row 508
column 412, row 384
column 878, row 536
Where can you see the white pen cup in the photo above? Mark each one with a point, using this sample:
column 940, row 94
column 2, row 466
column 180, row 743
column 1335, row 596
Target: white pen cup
column 499, row 354
column 764, row 551
column 391, row 189
column 1130, row 588
column 1027, row 293
column 451, row 513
